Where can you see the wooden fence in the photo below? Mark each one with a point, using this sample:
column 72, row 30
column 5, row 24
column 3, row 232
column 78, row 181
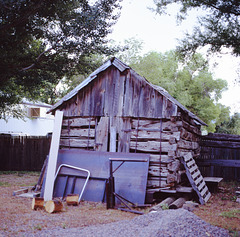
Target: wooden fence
column 23, row 153
column 220, row 156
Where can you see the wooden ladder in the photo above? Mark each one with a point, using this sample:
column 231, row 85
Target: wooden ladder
column 195, row 178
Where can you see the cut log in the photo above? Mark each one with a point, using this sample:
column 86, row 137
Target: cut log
column 78, row 132
column 161, row 159
column 156, row 182
column 153, row 146
column 165, row 203
column 174, row 166
column 158, row 171
column 172, row 178
column 37, row 203
column 81, row 143
column 145, row 134
column 78, row 122
column 178, row 203
column 155, row 124
column 53, row 206
column 72, row 199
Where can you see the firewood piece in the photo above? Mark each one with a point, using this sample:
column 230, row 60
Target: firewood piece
column 37, row 203
column 53, row 206
column 72, row 199
column 174, row 166
column 178, row 203
column 165, row 202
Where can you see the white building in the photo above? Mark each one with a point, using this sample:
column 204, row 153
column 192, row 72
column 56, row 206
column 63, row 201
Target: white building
column 36, row 121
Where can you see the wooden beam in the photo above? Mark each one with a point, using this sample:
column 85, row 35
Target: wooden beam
column 224, row 163
column 113, row 138
column 53, row 154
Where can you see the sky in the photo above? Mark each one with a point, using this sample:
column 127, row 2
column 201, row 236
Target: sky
column 160, row 33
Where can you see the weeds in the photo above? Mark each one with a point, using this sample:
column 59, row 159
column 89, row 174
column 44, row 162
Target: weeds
column 235, row 213
column 37, row 227
column 165, row 207
column 5, row 184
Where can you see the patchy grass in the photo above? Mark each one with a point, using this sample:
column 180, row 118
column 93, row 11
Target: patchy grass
column 235, row 213
column 222, row 210
column 17, row 217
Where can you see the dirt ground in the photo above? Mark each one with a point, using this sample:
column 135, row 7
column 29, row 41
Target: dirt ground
column 17, row 217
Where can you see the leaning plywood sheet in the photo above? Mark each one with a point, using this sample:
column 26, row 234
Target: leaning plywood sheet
column 195, row 178
column 130, row 178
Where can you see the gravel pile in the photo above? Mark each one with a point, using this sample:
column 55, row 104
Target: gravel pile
column 165, row 223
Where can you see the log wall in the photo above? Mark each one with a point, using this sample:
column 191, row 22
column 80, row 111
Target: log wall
column 122, row 112
column 163, row 139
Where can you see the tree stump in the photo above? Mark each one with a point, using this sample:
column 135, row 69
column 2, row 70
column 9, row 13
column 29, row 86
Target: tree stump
column 72, row 199
column 53, row 206
column 37, row 203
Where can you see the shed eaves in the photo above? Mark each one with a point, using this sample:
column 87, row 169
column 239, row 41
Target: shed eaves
column 122, row 67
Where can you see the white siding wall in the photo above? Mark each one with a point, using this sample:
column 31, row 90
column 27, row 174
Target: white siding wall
column 30, row 126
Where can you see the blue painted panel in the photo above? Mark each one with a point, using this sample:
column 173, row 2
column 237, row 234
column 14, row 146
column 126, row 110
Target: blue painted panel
column 130, row 178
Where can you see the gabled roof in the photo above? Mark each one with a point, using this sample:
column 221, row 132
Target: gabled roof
column 122, row 67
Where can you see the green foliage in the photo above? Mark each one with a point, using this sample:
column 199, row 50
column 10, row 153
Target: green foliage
column 130, row 51
column 192, row 84
column 218, row 28
column 230, row 125
column 42, row 41
column 165, row 206
column 4, row 184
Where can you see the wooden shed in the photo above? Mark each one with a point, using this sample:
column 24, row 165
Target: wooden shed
column 117, row 110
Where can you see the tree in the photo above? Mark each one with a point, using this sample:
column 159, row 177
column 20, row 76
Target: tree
column 41, row 41
column 130, row 51
column 191, row 84
column 230, row 126
column 218, row 28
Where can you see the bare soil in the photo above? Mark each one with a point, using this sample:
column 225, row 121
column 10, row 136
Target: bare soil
column 18, row 218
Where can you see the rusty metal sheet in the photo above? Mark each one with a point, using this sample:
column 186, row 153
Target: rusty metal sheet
column 130, row 178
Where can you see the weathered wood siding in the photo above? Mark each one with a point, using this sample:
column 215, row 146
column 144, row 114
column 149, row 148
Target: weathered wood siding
column 119, row 94
column 220, row 147
column 122, row 112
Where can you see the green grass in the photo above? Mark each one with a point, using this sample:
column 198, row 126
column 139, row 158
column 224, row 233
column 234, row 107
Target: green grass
column 4, row 184
column 235, row 213
column 20, row 173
